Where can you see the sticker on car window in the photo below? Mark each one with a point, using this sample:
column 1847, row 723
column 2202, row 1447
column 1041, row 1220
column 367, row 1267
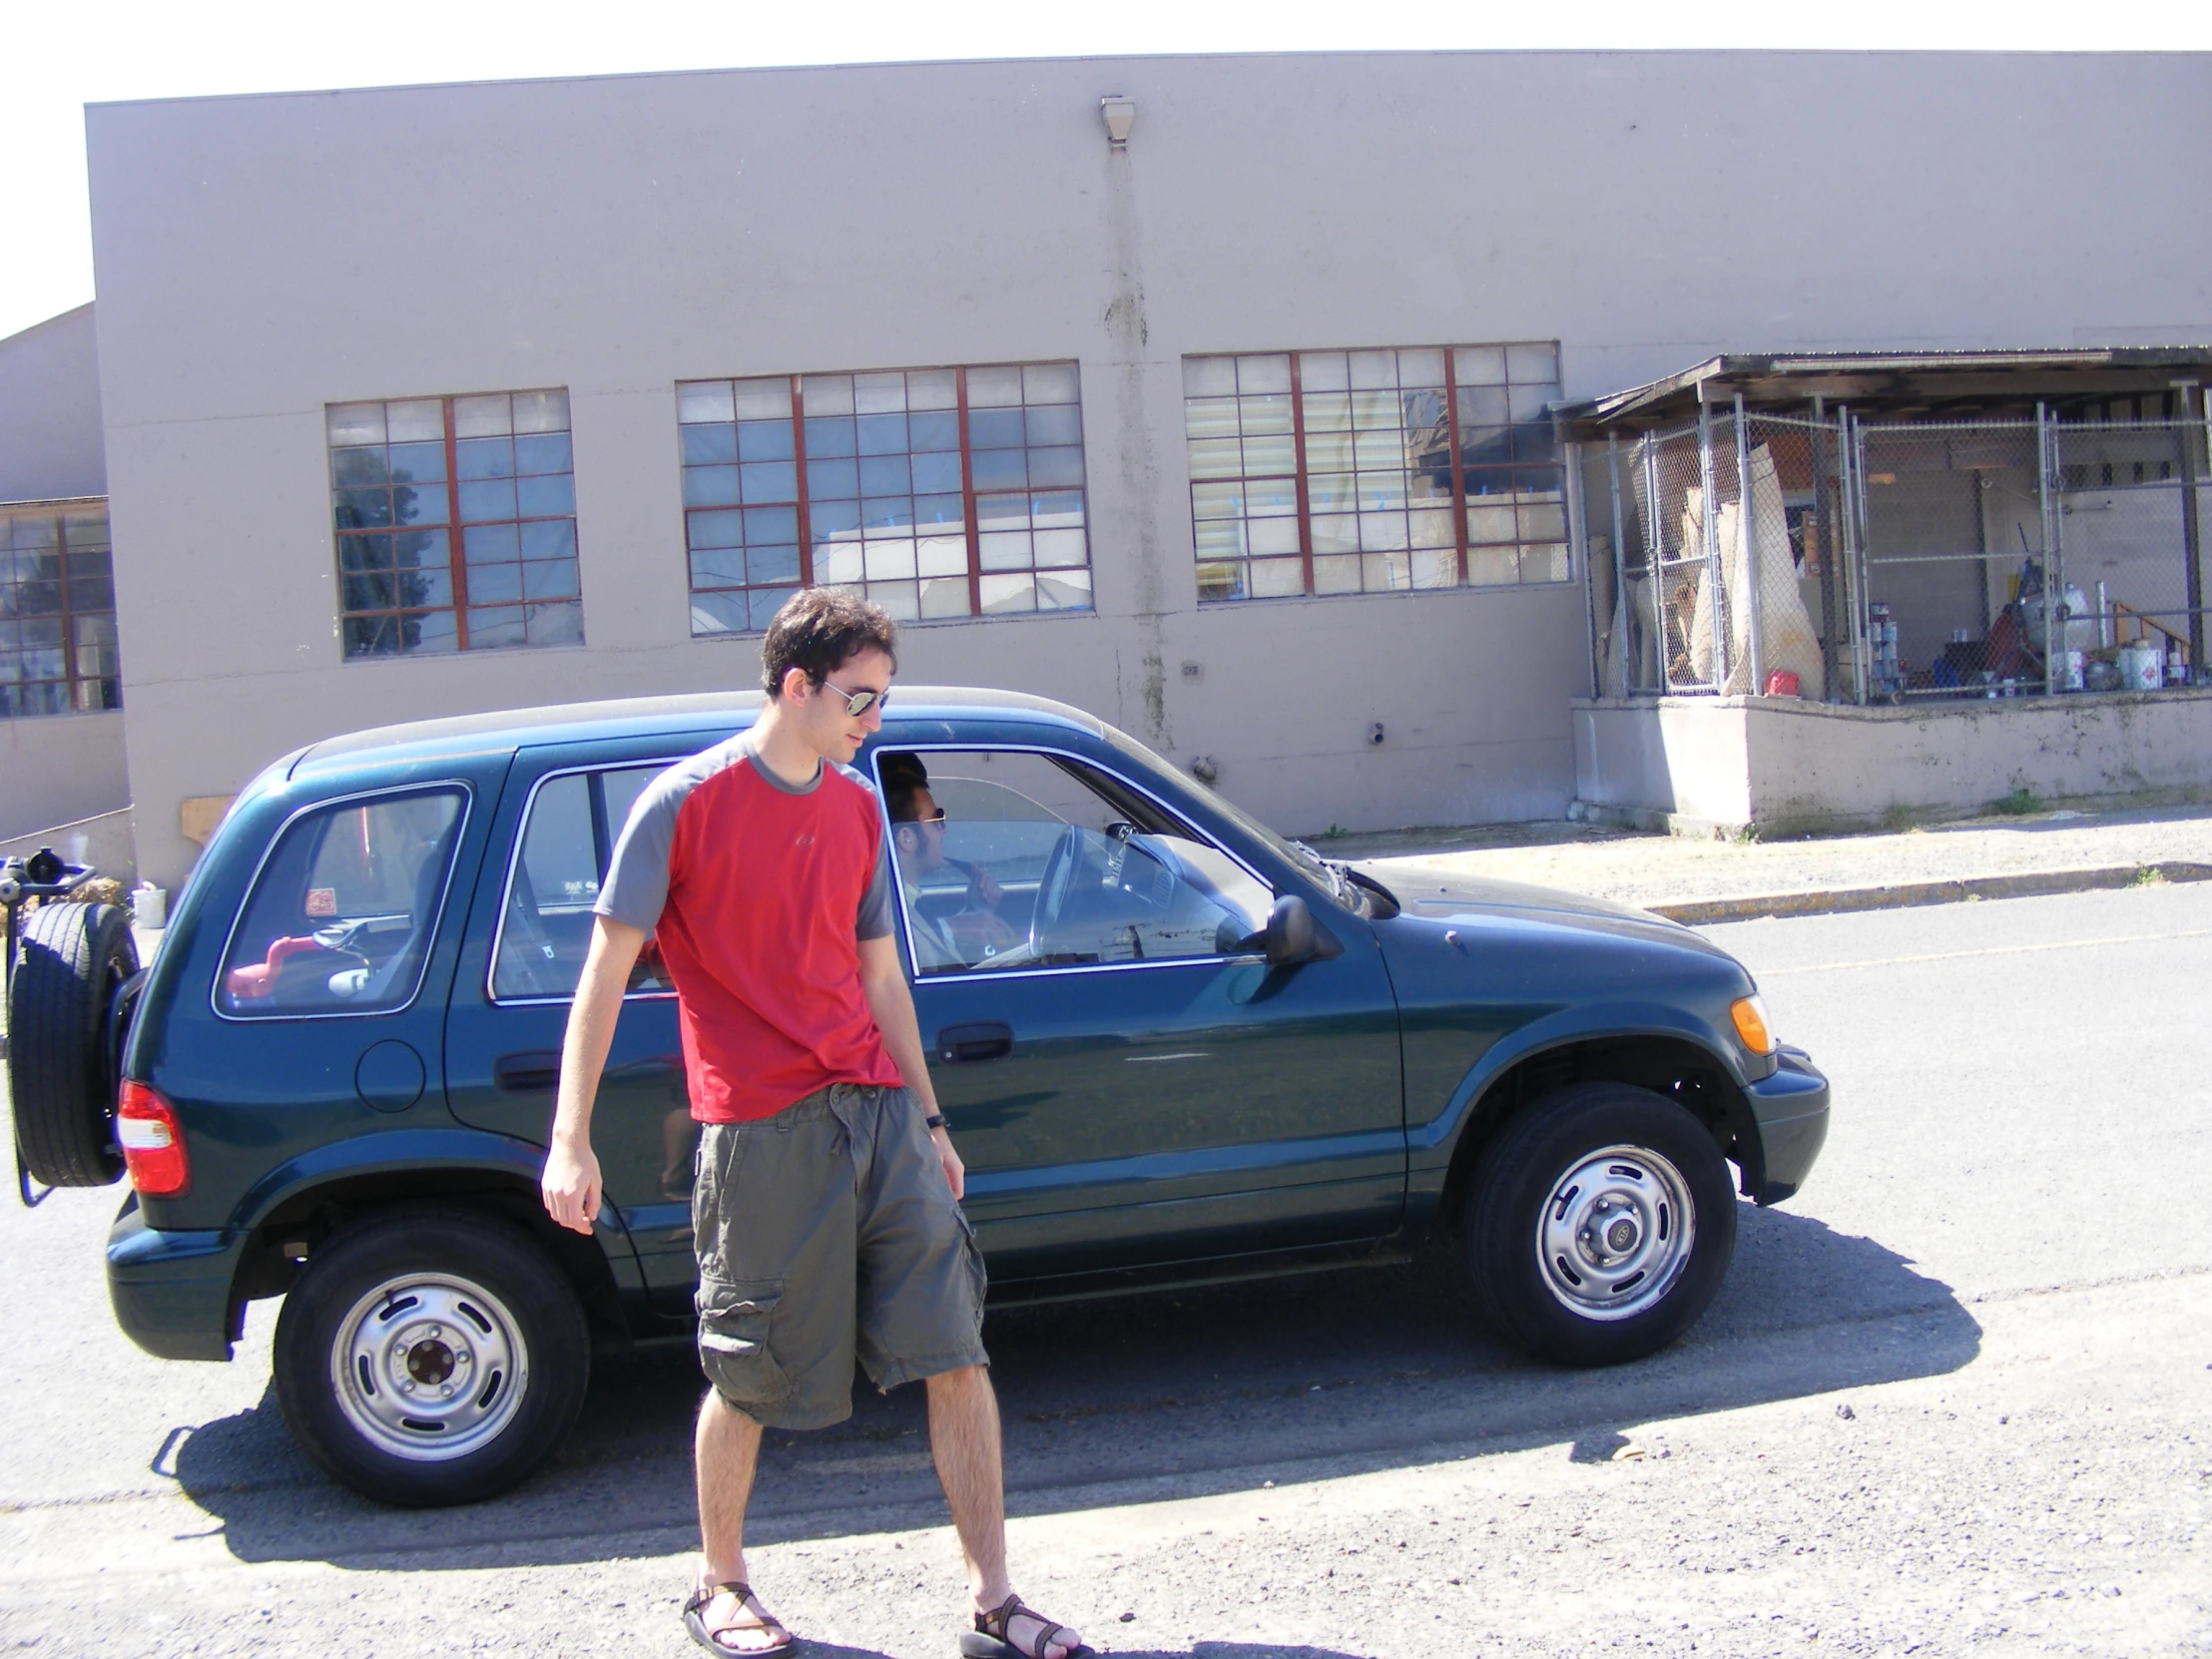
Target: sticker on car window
column 322, row 901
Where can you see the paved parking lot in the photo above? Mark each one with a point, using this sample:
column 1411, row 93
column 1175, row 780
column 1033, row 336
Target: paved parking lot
column 1957, row 1398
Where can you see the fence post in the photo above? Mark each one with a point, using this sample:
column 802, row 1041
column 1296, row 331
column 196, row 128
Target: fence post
column 2192, row 546
column 1620, row 564
column 2052, row 591
column 1578, row 551
column 1655, row 554
column 1832, row 544
column 1848, row 442
column 1747, row 541
column 1716, row 595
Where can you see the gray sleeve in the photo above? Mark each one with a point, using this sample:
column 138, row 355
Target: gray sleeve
column 875, row 903
column 635, row 888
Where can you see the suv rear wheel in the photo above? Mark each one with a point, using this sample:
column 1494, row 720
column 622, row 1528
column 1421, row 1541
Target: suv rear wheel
column 61, row 1063
column 430, row 1357
column 1600, row 1224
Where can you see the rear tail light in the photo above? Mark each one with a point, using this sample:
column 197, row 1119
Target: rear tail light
column 153, row 1143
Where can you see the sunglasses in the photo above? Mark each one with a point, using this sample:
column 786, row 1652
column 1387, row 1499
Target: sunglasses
column 858, row 702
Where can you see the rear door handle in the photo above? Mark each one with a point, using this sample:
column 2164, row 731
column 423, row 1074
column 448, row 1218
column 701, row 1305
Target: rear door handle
column 958, row 1044
column 534, row 1071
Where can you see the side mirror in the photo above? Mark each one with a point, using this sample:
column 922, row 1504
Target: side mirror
column 1290, row 934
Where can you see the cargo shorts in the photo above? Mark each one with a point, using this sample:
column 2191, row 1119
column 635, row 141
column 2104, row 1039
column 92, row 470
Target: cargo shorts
column 828, row 1233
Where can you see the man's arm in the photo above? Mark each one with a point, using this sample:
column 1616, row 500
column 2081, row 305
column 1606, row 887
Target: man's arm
column 885, row 984
column 570, row 1185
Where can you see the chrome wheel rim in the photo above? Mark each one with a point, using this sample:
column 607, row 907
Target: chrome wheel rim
column 1616, row 1232
column 430, row 1366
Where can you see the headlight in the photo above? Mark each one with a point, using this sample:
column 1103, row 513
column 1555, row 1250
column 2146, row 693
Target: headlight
column 1750, row 1015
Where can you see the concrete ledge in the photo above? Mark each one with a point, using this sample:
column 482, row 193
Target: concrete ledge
column 1778, row 767
column 105, row 841
column 2029, row 884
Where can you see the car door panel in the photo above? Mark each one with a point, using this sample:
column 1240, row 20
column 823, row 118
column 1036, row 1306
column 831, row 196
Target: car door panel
column 1141, row 1111
column 504, row 1037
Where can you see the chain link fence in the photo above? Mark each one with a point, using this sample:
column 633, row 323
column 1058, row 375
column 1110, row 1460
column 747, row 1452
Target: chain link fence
column 1846, row 560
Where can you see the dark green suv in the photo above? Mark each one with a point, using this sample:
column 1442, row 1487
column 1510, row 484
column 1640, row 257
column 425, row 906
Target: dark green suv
column 1172, row 1045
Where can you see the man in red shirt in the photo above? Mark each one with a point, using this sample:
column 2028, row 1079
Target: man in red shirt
column 826, row 1205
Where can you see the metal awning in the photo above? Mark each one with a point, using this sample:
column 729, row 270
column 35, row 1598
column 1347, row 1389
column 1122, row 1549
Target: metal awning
column 1934, row 386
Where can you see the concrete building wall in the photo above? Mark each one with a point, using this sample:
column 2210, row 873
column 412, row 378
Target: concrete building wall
column 55, row 768
column 258, row 258
column 51, row 445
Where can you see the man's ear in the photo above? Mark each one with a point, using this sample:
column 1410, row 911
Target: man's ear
column 794, row 690
column 905, row 838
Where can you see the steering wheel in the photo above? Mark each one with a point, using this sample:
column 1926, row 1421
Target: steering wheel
column 1053, row 887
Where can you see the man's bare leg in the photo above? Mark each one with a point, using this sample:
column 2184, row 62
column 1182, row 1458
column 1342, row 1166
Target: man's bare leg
column 725, row 1453
column 963, row 1438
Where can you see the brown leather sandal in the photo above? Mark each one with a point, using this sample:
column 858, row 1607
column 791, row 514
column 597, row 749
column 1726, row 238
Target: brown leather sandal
column 991, row 1638
column 694, row 1622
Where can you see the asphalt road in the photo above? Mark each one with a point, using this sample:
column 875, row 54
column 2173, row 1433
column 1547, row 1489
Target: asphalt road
column 1957, row 1398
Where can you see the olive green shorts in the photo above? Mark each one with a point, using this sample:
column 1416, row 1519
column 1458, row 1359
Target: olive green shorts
column 828, row 1233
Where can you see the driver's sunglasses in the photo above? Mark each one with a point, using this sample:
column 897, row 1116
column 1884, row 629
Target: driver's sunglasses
column 858, row 702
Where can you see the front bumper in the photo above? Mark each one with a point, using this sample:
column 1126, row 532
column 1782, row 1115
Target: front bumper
column 1791, row 1109
column 172, row 1291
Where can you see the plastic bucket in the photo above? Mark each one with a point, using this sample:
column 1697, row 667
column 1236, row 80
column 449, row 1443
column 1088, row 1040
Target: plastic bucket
column 2142, row 666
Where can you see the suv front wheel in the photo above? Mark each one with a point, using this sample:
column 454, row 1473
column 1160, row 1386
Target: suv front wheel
column 1599, row 1225
column 430, row 1357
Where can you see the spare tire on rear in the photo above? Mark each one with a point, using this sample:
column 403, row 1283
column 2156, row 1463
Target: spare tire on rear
column 60, row 1068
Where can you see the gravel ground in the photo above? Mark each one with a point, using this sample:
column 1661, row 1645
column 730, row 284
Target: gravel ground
column 1674, row 869
column 2023, row 1506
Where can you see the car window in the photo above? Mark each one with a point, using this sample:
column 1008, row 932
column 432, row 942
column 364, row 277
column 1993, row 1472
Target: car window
column 1039, row 861
column 341, row 916
column 545, row 922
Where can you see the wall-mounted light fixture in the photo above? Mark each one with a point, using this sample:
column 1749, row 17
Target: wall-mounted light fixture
column 1121, row 115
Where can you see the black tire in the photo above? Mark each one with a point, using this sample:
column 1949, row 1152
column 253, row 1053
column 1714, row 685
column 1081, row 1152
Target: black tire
column 464, row 1310
column 61, row 1070
column 1592, row 1167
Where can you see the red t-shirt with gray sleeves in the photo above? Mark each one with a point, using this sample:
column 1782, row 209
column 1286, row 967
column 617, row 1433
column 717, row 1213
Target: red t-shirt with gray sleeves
column 759, row 895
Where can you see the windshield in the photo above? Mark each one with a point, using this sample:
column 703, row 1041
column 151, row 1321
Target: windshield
column 1361, row 894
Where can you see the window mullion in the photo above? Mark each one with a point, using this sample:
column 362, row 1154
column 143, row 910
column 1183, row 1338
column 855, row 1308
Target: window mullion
column 805, row 514
column 967, row 501
column 1458, row 470
column 69, row 626
column 1297, row 461
column 456, row 555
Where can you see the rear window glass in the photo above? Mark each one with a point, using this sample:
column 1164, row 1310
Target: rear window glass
column 545, row 925
column 341, row 916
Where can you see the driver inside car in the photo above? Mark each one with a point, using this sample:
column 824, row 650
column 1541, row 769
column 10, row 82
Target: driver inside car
column 976, row 930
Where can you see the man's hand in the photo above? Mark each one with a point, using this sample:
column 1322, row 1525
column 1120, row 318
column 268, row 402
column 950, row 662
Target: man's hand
column 570, row 1186
column 955, row 1172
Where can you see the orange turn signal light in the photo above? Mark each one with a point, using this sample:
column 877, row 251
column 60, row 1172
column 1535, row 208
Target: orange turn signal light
column 1750, row 1014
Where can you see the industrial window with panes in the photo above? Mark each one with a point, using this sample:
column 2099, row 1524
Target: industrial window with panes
column 57, row 610
column 457, row 523
column 936, row 492
column 1326, row 472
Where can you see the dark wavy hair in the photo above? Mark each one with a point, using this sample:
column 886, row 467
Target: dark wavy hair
column 820, row 630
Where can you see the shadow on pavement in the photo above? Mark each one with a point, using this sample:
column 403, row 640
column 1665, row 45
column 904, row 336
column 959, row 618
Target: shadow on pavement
column 1171, row 1394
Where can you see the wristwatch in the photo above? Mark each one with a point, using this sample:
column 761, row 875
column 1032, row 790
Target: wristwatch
column 935, row 1120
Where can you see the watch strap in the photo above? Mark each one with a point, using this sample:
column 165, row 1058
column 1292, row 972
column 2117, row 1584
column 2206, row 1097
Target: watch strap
column 935, row 1120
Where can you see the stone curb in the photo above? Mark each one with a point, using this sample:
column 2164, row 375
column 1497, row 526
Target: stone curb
column 2028, row 884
